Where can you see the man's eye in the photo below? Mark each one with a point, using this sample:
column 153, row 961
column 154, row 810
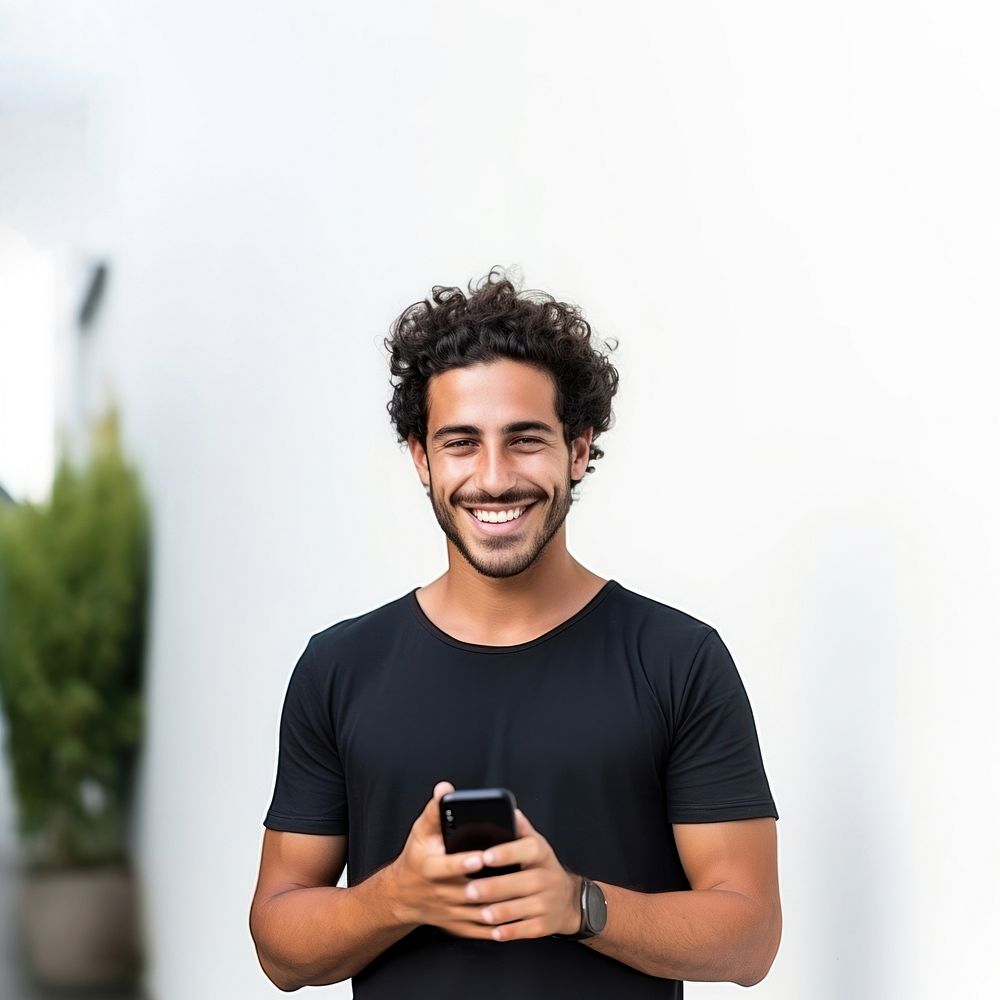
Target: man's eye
column 456, row 444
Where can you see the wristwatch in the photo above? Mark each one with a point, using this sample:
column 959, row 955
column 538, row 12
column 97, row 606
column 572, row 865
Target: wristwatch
column 593, row 912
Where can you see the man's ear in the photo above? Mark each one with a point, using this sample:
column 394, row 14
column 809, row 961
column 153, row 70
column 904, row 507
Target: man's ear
column 581, row 454
column 419, row 455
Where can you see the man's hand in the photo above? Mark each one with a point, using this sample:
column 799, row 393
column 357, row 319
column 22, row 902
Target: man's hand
column 432, row 887
column 428, row 883
column 541, row 899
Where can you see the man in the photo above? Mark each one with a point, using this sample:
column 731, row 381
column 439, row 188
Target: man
column 646, row 830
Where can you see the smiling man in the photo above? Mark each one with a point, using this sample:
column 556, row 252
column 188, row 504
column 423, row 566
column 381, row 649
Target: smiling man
column 646, row 833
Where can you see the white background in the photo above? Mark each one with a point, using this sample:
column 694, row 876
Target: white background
column 788, row 214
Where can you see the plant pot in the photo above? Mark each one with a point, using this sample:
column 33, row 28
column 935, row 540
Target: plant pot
column 80, row 926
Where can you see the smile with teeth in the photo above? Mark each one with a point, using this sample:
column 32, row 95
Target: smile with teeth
column 498, row 521
column 499, row 516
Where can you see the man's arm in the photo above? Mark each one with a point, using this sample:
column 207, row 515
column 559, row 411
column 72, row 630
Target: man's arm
column 726, row 928
column 307, row 930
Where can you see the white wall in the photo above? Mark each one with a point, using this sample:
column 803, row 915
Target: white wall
column 788, row 214
column 28, row 306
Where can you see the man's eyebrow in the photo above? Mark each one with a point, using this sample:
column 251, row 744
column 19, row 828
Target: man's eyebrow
column 515, row 428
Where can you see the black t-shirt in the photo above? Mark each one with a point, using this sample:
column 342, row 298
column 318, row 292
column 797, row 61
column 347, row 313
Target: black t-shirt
column 627, row 717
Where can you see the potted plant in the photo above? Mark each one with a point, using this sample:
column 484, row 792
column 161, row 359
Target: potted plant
column 73, row 593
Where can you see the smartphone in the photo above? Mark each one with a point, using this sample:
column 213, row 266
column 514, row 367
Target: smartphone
column 476, row 818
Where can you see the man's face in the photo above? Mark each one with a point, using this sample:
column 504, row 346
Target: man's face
column 494, row 441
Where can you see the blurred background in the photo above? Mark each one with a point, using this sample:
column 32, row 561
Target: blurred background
column 788, row 215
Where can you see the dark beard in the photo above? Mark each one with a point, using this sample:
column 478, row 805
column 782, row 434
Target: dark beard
column 500, row 556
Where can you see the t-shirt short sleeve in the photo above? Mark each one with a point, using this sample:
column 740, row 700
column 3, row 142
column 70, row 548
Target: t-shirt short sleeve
column 309, row 790
column 714, row 770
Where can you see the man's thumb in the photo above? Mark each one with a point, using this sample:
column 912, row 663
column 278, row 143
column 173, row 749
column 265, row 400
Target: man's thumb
column 432, row 810
column 443, row 788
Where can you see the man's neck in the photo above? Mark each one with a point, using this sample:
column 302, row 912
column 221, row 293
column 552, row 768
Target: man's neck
column 506, row 611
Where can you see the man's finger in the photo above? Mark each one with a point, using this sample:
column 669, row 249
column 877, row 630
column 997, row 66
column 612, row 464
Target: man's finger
column 448, row 866
column 499, row 887
column 522, row 826
column 441, row 789
column 524, row 851
column 430, row 818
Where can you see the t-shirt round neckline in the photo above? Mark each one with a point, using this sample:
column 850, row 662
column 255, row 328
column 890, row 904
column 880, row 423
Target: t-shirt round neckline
column 475, row 647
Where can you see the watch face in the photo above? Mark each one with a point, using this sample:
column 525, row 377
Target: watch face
column 597, row 908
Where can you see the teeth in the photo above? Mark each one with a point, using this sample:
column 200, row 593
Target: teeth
column 498, row 516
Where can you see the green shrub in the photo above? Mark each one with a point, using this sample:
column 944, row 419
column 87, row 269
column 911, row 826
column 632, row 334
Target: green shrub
column 74, row 578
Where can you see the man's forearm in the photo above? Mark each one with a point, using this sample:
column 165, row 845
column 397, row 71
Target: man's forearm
column 325, row 934
column 701, row 935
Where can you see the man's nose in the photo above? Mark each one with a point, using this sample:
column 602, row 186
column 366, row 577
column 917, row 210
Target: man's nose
column 496, row 473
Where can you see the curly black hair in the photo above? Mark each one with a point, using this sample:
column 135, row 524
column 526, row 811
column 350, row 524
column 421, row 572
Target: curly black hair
column 451, row 330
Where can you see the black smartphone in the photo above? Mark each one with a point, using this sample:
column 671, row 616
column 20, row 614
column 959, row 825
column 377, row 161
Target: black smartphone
column 476, row 818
